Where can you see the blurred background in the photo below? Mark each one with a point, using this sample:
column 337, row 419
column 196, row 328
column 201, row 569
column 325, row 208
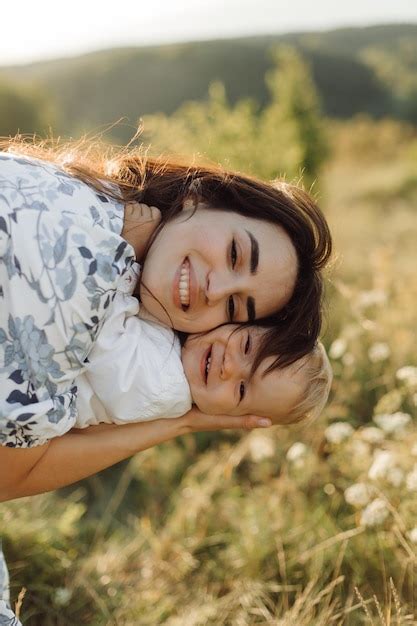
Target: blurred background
column 311, row 526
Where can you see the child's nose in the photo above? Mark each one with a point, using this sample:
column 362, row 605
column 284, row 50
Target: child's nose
column 229, row 367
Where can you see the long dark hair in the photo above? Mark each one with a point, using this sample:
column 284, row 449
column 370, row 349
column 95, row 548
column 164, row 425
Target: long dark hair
column 292, row 331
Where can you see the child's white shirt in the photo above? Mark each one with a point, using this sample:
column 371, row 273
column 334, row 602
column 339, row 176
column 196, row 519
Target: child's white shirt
column 134, row 371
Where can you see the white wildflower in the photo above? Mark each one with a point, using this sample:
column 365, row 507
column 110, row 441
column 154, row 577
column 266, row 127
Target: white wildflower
column 390, row 402
column 379, row 352
column 372, row 434
column 338, row 432
column 348, row 359
column 62, row 596
column 368, row 325
column 372, row 297
column 412, row 535
column 359, row 448
column 375, row 513
column 407, row 375
column 412, row 479
column 393, row 423
column 395, row 476
column 338, row 348
column 261, row 447
column 358, row 494
column 382, row 463
column 297, row 452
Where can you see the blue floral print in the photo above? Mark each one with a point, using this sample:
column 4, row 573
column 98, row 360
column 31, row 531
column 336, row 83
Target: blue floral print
column 61, row 258
column 28, row 349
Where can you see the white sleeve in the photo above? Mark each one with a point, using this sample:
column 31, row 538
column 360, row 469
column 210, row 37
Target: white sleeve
column 135, row 367
column 90, row 411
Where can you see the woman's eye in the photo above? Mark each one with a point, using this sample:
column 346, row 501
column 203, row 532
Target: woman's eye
column 233, row 253
column 230, row 309
column 242, row 391
column 247, row 345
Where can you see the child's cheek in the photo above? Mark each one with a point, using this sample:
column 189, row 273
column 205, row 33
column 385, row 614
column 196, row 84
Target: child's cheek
column 217, row 404
column 207, row 403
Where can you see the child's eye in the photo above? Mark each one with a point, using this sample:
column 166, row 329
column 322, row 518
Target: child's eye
column 233, row 253
column 242, row 391
column 230, row 309
column 247, row 345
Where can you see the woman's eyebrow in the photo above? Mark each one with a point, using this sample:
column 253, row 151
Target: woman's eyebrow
column 254, row 261
column 250, row 306
column 254, row 253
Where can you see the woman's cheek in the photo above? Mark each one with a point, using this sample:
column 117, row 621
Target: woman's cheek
column 210, row 317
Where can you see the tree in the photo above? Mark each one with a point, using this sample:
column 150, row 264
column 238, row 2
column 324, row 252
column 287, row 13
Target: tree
column 212, row 129
column 291, row 122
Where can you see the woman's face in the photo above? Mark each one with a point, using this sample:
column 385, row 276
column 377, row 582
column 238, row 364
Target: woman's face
column 211, row 267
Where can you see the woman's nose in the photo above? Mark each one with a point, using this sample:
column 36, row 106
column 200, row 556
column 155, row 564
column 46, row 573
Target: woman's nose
column 218, row 288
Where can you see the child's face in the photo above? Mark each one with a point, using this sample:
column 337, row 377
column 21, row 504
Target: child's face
column 217, row 365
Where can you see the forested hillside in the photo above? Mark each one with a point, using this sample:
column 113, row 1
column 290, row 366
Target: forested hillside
column 371, row 70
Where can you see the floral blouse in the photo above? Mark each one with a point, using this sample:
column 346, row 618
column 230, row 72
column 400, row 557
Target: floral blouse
column 61, row 257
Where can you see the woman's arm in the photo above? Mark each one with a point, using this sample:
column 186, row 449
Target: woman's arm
column 81, row 453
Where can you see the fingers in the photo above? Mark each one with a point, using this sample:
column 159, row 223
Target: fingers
column 156, row 214
column 249, row 422
column 200, row 422
column 131, row 209
column 138, row 211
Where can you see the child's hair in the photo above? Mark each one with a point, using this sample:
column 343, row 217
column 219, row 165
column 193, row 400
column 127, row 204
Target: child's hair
column 319, row 375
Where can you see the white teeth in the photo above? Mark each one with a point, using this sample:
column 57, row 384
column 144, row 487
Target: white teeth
column 208, row 365
column 184, row 284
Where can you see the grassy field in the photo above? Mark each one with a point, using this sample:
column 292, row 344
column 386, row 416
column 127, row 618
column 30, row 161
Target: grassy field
column 298, row 526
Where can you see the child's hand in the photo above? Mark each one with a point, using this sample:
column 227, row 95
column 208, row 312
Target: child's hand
column 195, row 421
column 139, row 224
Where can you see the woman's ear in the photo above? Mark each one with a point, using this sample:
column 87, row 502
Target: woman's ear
column 189, row 203
column 193, row 198
column 192, row 203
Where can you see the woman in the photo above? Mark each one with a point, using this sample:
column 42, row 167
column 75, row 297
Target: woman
column 242, row 250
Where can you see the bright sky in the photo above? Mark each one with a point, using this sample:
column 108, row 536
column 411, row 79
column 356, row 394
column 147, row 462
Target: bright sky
column 34, row 30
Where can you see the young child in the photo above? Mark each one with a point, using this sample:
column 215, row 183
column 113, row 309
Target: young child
column 138, row 371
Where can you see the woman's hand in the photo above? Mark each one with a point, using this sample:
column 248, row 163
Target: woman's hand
column 195, row 421
column 139, row 224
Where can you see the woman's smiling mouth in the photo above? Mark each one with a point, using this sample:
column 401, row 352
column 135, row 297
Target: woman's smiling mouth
column 184, row 284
